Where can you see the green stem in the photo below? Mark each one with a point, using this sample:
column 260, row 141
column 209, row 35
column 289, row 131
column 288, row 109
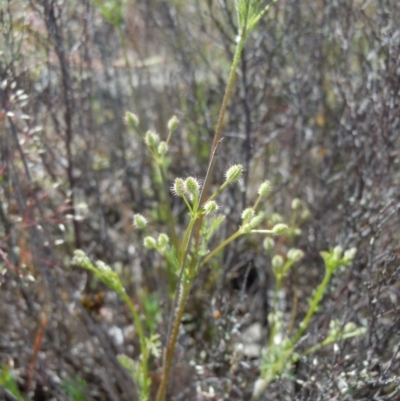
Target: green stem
column 185, row 241
column 142, row 339
column 274, row 309
column 313, row 307
column 221, row 246
column 196, row 232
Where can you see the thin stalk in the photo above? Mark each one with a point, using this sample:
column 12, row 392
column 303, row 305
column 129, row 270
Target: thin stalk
column 224, row 105
column 313, row 307
column 187, row 235
column 142, row 339
column 175, row 319
column 169, row 353
column 170, row 217
column 278, row 286
column 196, row 231
column 221, row 246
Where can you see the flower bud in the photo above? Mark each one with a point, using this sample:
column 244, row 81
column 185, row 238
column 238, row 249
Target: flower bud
column 151, row 139
column 277, row 261
column 163, row 240
column 162, row 148
column 172, row 123
column 265, row 188
column 280, row 229
column 246, row 228
column 149, row 243
column 295, row 254
column 247, row 214
column 268, row 244
column 132, row 120
column 234, row 173
column 192, row 187
column 139, row 221
column 296, row 203
column 255, row 221
column 210, row 207
column 178, row 187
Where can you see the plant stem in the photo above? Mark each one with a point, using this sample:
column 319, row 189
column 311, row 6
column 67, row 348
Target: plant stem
column 169, row 353
column 142, row 339
column 313, row 307
column 224, row 105
column 196, row 231
column 170, row 217
column 221, row 246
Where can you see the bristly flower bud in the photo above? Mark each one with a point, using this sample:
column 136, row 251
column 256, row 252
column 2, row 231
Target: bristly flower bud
column 210, row 207
column 268, row 244
column 277, row 261
column 173, row 123
column 296, row 203
column 132, row 120
column 139, row 221
column 234, row 173
column 163, row 240
column 280, row 229
column 192, row 187
column 149, row 243
column 255, row 221
column 162, row 148
column 276, row 218
column 152, row 139
column 247, row 214
column 265, row 188
column 178, row 187
column 295, row 254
